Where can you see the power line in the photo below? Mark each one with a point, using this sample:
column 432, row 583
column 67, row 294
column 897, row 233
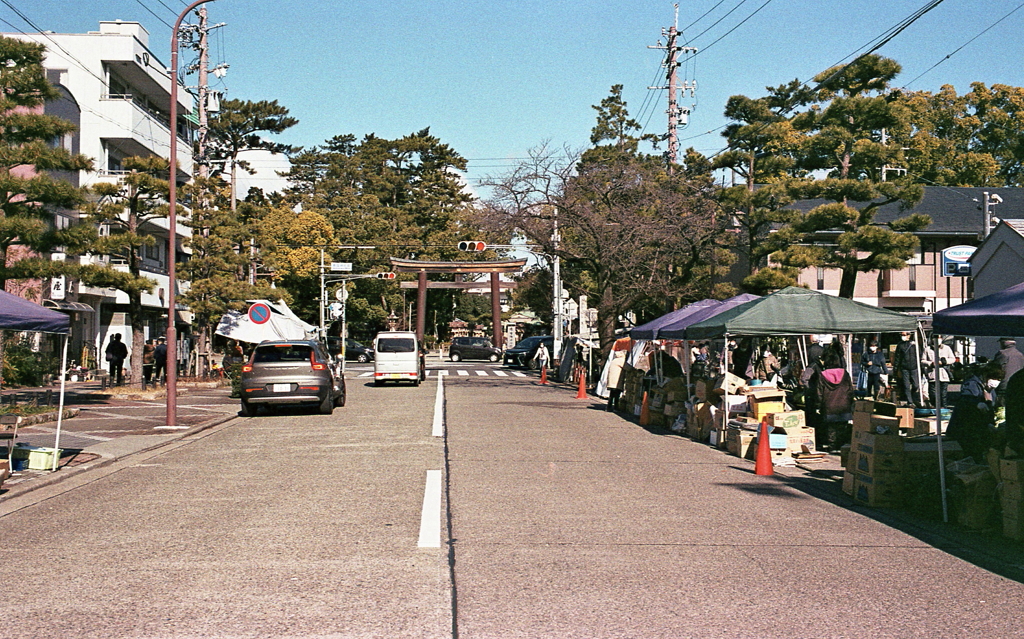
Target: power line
column 740, row 24
column 957, row 50
column 716, row 22
column 706, row 13
column 154, row 14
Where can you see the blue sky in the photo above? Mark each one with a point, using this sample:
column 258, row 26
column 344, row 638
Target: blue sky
column 494, row 79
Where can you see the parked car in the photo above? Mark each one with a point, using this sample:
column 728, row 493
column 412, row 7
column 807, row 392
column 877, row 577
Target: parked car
column 398, row 358
column 289, row 372
column 522, row 354
column 353, row 350
column 473, row 348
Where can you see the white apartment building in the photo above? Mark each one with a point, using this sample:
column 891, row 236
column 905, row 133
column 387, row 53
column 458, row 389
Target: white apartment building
column 116, row 90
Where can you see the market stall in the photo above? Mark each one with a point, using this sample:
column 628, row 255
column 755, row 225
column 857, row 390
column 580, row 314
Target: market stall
column 19, row 314
column 997, row 315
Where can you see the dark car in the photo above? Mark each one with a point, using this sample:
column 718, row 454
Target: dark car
column 290, row 372
column 522, row 354
column 353, row 350
column 473, row 348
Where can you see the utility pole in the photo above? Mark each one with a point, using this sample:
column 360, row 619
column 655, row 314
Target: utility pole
column 677, row 116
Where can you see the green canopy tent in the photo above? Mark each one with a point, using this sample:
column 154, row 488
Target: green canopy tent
column 800, row 311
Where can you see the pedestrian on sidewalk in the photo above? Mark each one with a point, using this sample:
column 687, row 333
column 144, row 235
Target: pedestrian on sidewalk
column 116, row 352
column 147, row 361
column 160, row 359
column 907, row 367
column 873, row 364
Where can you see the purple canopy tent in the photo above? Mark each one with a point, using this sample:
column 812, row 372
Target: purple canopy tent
column 653, row 328
column 19, row 314
column 677, row 329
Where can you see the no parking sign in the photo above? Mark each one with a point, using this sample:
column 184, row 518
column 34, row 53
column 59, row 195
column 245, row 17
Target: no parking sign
column 259, row 313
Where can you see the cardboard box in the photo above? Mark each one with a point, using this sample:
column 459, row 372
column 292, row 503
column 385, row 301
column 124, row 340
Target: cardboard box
column 921, row 455
column 885, row 408
column 741, row 443
column 730, row 382
column 763, row 401
column 878, row 464
column 869, row 443
column 1013, row 528
column 845, row 456
column 1013, row 508
column 864, row 406
column 882, row 492
column 1012, row 491
column 787, row 419
column 921, row 427
column 718, row 437
column 848, row 482
column 906, row 417
column 869, row 423
column 797, row 438
column 1011, row 470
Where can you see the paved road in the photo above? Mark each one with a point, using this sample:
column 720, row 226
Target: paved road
column 553, row 519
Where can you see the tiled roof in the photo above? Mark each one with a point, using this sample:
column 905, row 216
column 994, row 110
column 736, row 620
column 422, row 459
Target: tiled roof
column 954, row 210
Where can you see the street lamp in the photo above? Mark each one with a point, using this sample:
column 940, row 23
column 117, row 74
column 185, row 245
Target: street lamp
column 172, row 230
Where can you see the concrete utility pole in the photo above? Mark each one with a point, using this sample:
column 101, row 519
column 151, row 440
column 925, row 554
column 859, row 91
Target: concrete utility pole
column 677, row 116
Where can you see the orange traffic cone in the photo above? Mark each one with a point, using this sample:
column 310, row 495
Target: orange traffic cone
column 544, row 374
column 581, row 392
column 763, row 464
column 645, row 411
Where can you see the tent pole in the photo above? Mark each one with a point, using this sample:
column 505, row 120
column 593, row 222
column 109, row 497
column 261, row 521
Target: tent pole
column 938, row 426
column 60, row 409
column 725, row 397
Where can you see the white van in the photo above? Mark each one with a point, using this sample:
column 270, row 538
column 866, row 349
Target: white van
column 397, row 358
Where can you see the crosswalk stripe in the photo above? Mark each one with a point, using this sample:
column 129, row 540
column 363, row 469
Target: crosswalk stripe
column 463, row 373
column 366, row 374
column 518, row 374
column 501, row 373
column 482, row 373
column 442, row 372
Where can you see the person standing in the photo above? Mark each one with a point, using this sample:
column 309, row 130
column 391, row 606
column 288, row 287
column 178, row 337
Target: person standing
column 160, row 359
column 939, row 366
column 833, row 390
column 116, row 352
column 147, row 361
column 767, row 365
column 1011, row 360
column 907, row 367
column 872, row 362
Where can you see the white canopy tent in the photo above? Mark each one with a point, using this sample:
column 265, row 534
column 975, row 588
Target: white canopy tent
column 282, row 324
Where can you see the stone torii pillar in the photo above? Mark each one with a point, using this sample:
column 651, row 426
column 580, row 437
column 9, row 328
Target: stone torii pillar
column 421, row 268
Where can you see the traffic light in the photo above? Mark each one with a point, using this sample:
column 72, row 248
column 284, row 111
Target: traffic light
column 385, row 276
column 474, row 247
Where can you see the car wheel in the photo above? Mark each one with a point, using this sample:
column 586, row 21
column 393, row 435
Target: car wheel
column 532, row 364
column 362, row 359
column 339, row 401
column 493, row 358
column 248, row 410
column 327, row 406
column 455, row 357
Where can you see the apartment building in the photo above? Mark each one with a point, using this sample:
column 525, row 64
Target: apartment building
column 116, row 90
column 924, row 286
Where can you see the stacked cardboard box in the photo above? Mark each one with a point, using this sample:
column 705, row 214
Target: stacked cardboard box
column 1011, row 473
column 922, row 492
column 874, row 466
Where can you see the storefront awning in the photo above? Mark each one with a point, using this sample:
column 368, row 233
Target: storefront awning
column 74, row 307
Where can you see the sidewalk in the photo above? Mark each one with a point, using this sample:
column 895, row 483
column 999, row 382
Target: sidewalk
column 111, row 426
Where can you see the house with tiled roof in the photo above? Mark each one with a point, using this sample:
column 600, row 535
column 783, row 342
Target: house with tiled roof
column 958, row 219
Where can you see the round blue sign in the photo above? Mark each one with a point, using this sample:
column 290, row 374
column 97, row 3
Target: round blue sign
column 259, row 313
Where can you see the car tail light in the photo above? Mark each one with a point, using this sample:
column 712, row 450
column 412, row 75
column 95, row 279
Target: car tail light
column 247, row 368
column 317, row 366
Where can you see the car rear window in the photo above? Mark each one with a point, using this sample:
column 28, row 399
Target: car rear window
column 283, row 353
column 396, row 345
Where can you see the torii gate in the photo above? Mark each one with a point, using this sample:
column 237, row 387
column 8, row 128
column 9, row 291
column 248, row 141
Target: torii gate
column 457, row 268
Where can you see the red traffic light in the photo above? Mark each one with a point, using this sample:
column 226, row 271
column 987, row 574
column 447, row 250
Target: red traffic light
column 472, row 246
column 385, row 276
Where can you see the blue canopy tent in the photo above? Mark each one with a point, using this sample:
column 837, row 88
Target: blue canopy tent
column 997, row 315
column 19, row 314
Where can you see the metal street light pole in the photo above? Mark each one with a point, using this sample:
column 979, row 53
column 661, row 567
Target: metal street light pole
column 556, row 276
column 172, row 230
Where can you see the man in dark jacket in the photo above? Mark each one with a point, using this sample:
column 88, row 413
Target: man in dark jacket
column 906, row 365
column 116, row 353
column 159, row 359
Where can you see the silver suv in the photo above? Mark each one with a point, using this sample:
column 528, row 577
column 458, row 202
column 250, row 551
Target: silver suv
column 291, row 372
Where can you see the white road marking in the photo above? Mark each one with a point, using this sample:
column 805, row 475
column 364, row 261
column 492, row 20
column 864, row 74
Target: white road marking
column 443, row 372
column 360, row 374
column 438, row 430
column 480, row 373
column 518, row 374
column 463, row 373
column 430, row 520
column 501, row 373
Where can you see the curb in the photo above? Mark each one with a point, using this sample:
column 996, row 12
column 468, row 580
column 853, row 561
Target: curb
column 106, row 460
